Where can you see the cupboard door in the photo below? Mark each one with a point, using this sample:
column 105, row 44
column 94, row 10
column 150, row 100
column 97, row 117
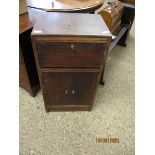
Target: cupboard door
column 56, row 88
column 69, row 90
column 82, row 87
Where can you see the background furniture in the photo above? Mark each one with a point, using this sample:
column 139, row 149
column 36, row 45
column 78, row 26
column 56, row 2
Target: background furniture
column 85, row 6
column 28, row 76
column 112, row 15
column 127, row 21
column 70, row 57
column 119, row 19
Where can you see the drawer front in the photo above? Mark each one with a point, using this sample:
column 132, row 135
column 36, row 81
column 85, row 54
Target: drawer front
column 56, row 54
column 69, row 90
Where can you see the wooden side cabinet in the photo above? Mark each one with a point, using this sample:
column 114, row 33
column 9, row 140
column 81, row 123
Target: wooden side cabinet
column 70, row 61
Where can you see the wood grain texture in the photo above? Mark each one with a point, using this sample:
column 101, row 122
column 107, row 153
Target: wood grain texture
column 85, row 6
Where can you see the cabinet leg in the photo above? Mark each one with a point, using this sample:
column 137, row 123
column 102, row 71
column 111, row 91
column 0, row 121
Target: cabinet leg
column 47, row 110
column 102, row 82
column 122, row 44
column 32, row 94
column 122, row 41
column 127, row 18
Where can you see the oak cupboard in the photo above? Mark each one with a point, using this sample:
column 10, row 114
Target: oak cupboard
column 70, row 57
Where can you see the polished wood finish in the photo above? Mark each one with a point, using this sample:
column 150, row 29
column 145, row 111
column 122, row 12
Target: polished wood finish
column 28, row 77
column 112, row 15
column 85, row 6
column 70, row 62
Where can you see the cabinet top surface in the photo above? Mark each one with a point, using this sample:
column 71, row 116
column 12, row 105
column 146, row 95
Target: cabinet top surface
column 68, row 24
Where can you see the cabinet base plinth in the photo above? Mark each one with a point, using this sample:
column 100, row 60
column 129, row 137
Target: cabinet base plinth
column 68, row 108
